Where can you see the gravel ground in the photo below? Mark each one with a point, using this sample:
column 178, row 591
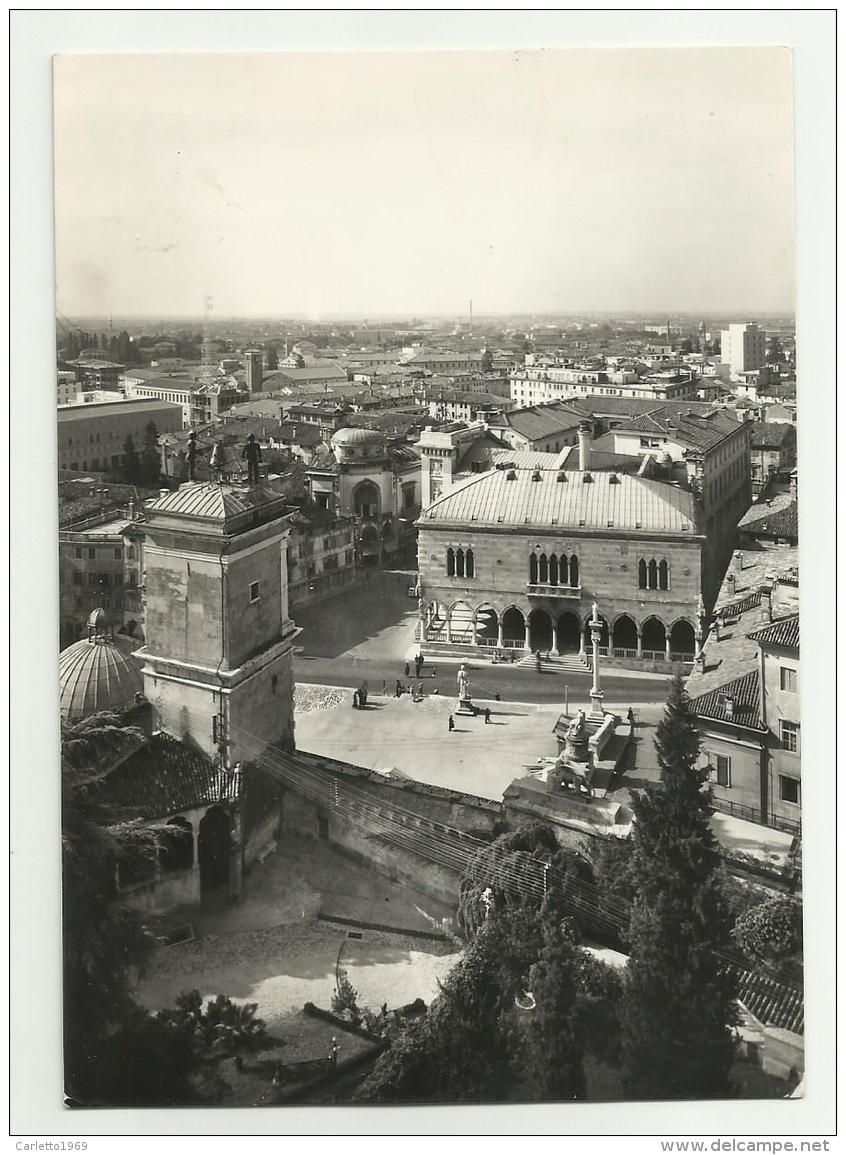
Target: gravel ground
column 309, row 698
column 284, row 967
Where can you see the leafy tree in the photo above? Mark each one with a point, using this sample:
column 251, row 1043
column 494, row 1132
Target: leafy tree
column 272, row 359
column 150, row 464
column 678, row 1004
column 770, row 931
column 223, row 1026
column 501, row 867
column 131, row 464
column 463, row 1048
column 104, row 944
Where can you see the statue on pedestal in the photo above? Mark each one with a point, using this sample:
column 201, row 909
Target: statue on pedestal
column 463, row 684
column 576, row 739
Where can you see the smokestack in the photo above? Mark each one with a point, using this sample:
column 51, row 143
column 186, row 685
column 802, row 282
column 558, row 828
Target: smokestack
column 585, row 433
column 731, row 584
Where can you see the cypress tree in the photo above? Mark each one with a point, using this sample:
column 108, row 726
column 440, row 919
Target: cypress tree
column 555, row 1051
column 150, row 464
column 131, row 463
column 678, row 1004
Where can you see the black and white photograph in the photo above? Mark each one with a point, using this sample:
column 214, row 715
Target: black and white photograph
column 427, row 466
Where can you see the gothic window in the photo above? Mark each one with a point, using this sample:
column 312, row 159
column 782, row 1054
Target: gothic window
column 553, row 570
column 450, row 562
column 459, row 563
column 653, row 575
column 533, row 569
column 543, row 569
column 469, row 564
column 574, row 570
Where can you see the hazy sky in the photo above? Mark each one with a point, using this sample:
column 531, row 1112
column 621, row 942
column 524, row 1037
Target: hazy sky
column 342, row 183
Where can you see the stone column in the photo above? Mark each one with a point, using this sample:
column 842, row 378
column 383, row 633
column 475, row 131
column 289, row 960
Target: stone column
column 448, row 627
column 474, row 637
column 500, row 637
column 527, row 643
column 667, row 646
column 639, row 643
column 596, row 694
column 582, row 643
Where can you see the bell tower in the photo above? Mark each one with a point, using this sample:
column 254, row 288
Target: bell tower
column 218, row 653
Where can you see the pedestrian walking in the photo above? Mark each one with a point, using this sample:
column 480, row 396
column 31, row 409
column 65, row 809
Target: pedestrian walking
column 355, row 699
column 487, row 716
column 384, row 687
column 419, row 689
column 631, row 716
column 406, row 669
column 362, row 694
column 399, row 688
column 451, row 724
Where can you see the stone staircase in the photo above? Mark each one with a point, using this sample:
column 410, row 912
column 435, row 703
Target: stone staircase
column 561, row 663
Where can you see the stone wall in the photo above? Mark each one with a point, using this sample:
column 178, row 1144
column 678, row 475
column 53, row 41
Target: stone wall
column 608, row 572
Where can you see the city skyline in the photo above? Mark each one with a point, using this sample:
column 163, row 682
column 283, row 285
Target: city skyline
column 322, row 184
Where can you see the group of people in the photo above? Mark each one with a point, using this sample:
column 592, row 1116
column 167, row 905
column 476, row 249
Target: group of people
column 360, row 697
column 418, row 666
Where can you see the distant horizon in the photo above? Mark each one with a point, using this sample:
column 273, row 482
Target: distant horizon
column 657, row 316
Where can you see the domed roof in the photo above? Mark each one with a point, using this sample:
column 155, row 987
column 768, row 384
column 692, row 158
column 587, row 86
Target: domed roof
column 351, row 435
column 98, row 673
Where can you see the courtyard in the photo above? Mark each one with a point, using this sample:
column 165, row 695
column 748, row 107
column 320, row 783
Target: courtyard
column 413, row 736
column 278, row 947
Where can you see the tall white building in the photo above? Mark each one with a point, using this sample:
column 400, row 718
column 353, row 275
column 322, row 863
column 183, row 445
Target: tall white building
column 744, row 347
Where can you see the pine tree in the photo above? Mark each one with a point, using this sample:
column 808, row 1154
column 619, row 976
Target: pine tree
column 131, row 463
column 150, row 464
column 272, row 359
column 678, row 1004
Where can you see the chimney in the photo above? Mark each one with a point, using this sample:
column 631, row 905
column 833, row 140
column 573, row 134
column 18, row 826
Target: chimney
column 164, row 492
column 767, row 598
column 731, row 584
column 130, row 510
column 729, row 707
column 585, row 432
column 738, row 557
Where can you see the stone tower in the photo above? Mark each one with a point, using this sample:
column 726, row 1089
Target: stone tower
column 254, row 370
column 218, row 657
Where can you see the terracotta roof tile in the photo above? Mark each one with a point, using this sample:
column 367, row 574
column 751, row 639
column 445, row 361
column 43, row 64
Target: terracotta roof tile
column 745, row 692
column 165, row 777
column 783, row 633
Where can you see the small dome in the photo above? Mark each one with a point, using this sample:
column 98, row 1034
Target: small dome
column 355, row 436
column 98, row 674
column 664, row 458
